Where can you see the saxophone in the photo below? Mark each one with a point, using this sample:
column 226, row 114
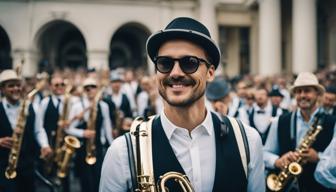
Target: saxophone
column 65, row 152
column 294, row 169
column 91, row 125
column 141, row 129
column 60, row 134
column 18, row 134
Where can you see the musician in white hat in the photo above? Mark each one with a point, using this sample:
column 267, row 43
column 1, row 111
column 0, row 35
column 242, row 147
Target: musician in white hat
column 11, row 87
column 287, row 132
column 100, row 133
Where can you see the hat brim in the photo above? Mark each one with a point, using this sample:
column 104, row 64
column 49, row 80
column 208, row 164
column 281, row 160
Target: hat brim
column 155, row 41
column 320, row 88
column 10, row 79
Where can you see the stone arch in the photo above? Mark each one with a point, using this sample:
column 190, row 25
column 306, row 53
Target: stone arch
column 60, row 45
column 5, row 50
column 128, row 46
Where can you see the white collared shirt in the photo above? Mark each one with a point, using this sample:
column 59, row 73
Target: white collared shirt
column 272, row 148
column 190, row 149
column 12, row 112
column 196, row 153
column 106, row 128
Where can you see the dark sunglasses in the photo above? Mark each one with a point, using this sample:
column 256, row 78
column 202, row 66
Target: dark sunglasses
column 188, row 64
column 59, row 84
column 12, row 85
column 89, row 87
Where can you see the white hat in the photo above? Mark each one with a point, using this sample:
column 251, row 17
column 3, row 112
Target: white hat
column 7, row 75
column 306, row 79
column 89, row 81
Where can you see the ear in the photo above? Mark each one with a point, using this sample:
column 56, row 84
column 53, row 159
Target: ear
column 211, row 73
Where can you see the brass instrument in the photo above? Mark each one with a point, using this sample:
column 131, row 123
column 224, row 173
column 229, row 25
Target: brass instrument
column 71, row 143
column 91, row 125
column 294, row 169
column 18, row 134
column 60, row 134
column 141, row 130
column 178, row 177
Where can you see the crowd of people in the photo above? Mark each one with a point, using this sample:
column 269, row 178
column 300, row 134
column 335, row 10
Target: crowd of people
column 224, row 134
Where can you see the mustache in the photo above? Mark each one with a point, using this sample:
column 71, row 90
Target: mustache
column 178, row 80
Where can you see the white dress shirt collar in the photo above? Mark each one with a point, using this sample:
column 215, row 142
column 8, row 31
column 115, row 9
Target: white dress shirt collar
column 9, row 105
column 170, row 128
column 299, row 115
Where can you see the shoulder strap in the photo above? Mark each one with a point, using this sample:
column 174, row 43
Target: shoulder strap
column 131, row 161
column 242, row 142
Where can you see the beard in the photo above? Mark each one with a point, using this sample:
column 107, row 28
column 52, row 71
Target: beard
column 181, row 81
column 307, row 104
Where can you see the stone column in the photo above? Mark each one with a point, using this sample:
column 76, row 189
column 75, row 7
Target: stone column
column 208, row 17
column 269, row 37
column 98, row 59
column 304, row 36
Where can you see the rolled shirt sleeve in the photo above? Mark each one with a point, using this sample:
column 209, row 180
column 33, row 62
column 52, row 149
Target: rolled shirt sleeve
column 325, row 172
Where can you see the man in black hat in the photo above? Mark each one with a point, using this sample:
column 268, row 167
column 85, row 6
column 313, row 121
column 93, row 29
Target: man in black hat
column 329, row 100
column 218, row 94
column 185, row 137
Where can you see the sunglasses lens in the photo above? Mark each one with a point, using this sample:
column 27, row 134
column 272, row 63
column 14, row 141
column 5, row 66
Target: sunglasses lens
column 164, row 64
column 189, row 64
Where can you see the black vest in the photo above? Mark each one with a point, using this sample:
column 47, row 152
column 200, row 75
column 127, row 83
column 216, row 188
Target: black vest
column 252, row 124
column 306, row 180
column 112, row 109
column 28, row 146
column 50, row 120
column 229, row 175
column 125, row 106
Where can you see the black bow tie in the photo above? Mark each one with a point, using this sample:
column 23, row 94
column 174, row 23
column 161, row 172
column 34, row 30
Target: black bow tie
column 261, row 111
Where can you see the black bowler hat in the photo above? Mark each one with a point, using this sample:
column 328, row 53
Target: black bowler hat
column 275, row 92
column 188, row 29
column 331, row 89
column 217, row 89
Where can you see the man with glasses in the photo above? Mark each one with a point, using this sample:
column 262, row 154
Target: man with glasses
column 47, row 116
column 11, row 88
column 186, row 137
column 89, row 174
column 287, row 132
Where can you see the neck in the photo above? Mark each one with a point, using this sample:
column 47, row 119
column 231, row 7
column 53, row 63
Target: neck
column 262, row 105
column 307, row 113
column 186, row 117
column 12, row 101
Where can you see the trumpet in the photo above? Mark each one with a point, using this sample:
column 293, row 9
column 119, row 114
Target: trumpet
column 294, row 169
